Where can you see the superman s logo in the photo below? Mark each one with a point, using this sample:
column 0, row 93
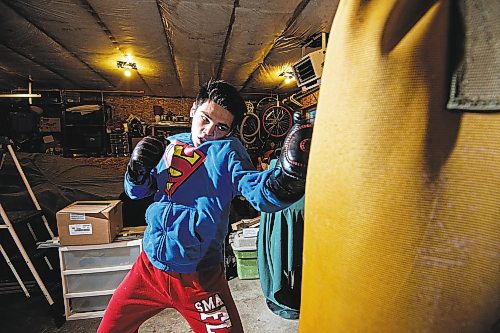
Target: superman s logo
column 185, row 160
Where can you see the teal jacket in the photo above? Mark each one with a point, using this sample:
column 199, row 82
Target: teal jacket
column 279, row 258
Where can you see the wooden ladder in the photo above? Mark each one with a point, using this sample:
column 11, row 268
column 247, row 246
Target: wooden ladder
column 13, row 218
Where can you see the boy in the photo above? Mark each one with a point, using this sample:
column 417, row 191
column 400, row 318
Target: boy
column 194, row 178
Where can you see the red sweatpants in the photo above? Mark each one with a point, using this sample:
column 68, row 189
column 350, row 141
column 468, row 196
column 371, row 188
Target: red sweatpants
column 202, row 298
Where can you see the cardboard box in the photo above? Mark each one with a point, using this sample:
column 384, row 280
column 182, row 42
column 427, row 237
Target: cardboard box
column 89, row 222
column 245, row 223
column 50, row 124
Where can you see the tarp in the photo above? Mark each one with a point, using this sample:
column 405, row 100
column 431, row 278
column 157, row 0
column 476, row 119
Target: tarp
column 56, row 182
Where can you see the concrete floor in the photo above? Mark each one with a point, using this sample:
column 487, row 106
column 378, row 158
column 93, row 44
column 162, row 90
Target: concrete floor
column 255, row 315
column 23, row 316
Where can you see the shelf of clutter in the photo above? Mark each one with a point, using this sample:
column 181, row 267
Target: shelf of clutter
column 168, row 128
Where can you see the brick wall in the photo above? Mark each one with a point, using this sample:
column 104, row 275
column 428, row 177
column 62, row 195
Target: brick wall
column 142, row 106
column 310, row 99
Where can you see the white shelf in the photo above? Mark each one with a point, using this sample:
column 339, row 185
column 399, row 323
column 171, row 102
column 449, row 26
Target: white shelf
column 85, row 315
column 90, row 293
column 97, row 270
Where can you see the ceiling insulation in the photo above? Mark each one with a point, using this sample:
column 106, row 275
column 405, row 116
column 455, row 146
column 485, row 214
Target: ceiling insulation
column 176, row 44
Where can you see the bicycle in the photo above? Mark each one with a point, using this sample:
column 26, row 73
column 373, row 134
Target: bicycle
column 250, row 125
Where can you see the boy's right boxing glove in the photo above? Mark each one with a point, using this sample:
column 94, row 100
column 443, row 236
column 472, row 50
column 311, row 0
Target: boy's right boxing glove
column 146, row 155
column 289, row 184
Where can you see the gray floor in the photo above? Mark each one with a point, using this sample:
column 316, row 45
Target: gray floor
column 247, row 294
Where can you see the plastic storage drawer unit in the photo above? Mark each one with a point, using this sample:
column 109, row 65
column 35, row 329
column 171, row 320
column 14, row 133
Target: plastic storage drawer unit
column 89, row 304
column 91, row 274
column 98, row 257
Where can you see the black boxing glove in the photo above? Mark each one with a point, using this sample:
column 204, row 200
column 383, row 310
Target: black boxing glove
column 289, row 184
column 146, row 155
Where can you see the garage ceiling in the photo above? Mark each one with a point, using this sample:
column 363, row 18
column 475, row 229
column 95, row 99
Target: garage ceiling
column 176, row 44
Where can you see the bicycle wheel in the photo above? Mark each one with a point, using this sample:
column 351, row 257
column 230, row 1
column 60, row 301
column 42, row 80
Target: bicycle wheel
column 247, row 140
column 266, row 102
column 277, row 121
column 250, row 125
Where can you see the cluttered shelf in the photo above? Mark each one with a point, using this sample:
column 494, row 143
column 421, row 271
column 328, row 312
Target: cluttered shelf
column 169, row 127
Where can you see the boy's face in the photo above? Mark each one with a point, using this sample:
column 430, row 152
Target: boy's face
column 210, row 122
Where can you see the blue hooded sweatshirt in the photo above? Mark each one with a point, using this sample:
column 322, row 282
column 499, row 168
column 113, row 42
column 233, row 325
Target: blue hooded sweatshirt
column 193, row 188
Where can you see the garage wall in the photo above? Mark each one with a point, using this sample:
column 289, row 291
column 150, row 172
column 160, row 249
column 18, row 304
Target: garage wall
column 142, row 106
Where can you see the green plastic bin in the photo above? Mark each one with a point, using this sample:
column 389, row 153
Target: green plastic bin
column 246, row 264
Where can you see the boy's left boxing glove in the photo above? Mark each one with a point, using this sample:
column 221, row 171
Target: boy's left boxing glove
column 289, row 184
column 146, row 155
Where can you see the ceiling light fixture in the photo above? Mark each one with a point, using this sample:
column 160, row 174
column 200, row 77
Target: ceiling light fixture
column 289, row 76
column 20, row 95
column 29, row 95
column 125, row 64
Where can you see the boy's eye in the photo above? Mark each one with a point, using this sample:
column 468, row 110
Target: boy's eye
column 223, row 128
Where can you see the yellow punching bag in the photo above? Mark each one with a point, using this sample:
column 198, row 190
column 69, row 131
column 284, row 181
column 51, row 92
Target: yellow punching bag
column 402, row 217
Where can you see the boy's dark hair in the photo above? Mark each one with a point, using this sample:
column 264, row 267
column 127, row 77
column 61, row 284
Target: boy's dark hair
column 225, row 95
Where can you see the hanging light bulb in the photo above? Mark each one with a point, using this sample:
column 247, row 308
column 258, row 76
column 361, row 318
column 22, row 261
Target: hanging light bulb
column 127, row 73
